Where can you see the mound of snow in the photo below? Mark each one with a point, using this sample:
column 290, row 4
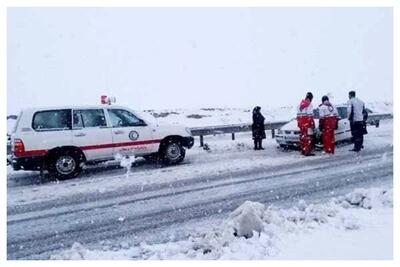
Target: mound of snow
column 367, row 199
column 247, row 218
column 76, row 252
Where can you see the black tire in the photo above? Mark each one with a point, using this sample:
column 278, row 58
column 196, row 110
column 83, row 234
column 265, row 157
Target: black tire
column 65, row 164
column 172, row 152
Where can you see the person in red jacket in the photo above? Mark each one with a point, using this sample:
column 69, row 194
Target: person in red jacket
column 328, row 123
column 305, row 121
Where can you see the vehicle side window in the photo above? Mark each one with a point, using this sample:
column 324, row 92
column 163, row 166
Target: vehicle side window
column 51, row 120
column 342, row 112
column 85, row 118
column 124, row 118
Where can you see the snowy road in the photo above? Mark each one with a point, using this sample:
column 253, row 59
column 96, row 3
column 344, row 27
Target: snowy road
column 45, row 217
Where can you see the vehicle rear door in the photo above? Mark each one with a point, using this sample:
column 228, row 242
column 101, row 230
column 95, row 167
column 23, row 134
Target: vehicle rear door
column 51, row 128
column 91, row 133
column 131, row 135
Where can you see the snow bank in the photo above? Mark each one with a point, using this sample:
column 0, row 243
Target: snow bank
column 247, row 218
column 223, row 116
column 354, row 226
column 76, row 252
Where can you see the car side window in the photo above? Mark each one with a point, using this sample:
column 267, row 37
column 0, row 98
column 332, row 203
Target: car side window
column 51, row 120
column 124, row 118
column 342, row 112
column 85, row 118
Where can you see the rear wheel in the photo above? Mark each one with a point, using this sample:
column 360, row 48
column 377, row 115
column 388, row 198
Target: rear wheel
column 65, row 164
column 172, row 152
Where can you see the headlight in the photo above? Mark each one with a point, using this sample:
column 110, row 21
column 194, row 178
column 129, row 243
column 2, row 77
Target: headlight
column 188, row 131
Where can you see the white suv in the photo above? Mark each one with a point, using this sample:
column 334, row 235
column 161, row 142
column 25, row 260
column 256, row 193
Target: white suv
column 289, row 134
column 61, row 140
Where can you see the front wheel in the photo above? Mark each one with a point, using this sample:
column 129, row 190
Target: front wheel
column 65, row 164
column 172, row 153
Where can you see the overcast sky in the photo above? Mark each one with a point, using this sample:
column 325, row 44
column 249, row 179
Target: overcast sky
column 197, row 57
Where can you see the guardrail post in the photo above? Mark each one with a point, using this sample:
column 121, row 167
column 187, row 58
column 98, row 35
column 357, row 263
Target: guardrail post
column 233, row 136
column 201, row 141
column 273, row 133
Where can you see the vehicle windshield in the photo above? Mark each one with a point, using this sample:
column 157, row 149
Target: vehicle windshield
column 316, row 113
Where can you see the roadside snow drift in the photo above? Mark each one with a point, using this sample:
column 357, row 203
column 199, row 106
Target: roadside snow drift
column 356, row 226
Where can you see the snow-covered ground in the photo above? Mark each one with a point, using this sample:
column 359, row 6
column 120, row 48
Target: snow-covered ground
column 356, row 226
column 151, row 212
column 154, row 213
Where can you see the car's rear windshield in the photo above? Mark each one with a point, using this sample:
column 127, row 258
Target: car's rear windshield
column 51, row 120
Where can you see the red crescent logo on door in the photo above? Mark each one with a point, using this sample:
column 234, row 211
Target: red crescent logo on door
column 133, row 135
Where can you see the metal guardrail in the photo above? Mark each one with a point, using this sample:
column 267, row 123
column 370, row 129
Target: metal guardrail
column 381, row 116
column 232, row 129
column 246, row 127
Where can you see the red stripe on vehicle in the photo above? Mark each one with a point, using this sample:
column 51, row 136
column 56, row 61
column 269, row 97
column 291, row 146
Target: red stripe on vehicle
column 133, row 143
column 43, row 152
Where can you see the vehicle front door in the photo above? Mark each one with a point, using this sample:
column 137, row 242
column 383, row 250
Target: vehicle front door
column 131, row 135
column 91, row 134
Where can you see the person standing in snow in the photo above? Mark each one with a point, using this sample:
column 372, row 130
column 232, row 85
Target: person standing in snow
column 258, row 128
column 328, row 123
column 357, row 116
column 305, row 122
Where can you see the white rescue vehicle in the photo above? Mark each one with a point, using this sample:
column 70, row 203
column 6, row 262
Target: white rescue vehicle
column 63, row 139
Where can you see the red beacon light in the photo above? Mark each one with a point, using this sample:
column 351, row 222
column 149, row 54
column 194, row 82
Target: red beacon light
column 107, row 100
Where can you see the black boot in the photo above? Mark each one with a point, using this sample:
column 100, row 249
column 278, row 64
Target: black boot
column 260, row 145
column 255, row 144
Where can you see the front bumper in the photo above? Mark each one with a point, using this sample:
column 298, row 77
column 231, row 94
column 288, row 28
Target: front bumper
column 188, row 141
column 287, row 140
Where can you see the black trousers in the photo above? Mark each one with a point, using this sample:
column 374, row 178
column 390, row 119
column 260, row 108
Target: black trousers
column 257, row 143
column 357, row 132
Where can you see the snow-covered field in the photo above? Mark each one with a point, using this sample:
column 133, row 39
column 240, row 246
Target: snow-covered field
column 356, row 226
column 223, row 116
column 201, row 117
column 160, row 213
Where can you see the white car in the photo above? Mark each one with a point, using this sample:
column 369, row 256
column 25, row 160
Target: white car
column 289, row 134
column 63, row 139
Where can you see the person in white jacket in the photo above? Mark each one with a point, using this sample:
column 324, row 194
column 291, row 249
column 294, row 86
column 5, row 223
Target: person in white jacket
column 356, row 115
column 328, row 123
column 305, row 122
